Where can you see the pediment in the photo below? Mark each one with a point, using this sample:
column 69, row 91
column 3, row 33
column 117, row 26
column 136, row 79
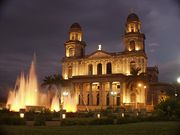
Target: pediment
column 99, row 54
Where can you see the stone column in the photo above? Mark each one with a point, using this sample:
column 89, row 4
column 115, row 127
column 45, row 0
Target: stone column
column 103, row 94
column 100, row 94
column 110, row 96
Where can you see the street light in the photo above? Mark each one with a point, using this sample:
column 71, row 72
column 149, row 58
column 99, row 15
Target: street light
column 178, row 79
column 113, row 93
column 64, row 94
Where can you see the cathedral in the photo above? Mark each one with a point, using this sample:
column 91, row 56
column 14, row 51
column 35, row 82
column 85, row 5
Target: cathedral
column 101, row 79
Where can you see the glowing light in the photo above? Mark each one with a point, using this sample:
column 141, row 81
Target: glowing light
column 139, row 85
column 66, row 77
column 21, row 115
column 98, row 115
column 113, row 93
column 122, row 115
column 137, row 48
column 178, row 79
column 145, row 87
column 63, row 116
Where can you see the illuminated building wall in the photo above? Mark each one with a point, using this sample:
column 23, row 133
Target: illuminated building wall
column 94, row 76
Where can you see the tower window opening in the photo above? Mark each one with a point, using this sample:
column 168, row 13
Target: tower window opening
column 71, row 52
column 76, row 36
column 69, row 71
column 132, row 29
column 132, row 45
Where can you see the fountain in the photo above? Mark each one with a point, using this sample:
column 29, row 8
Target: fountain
column 26, row 95
column 25, row 92
column 68, row 102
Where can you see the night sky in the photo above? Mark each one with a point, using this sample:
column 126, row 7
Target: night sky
column 41, row 27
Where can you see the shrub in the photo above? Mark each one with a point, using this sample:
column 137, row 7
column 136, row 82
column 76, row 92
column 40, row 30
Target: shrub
column 75, row 121
column 86, row 121
column 12, row 120
column 102, row 121
column 169, row 108
column 40, row 121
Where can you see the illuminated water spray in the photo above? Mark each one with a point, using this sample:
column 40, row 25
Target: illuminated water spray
column 26, row 93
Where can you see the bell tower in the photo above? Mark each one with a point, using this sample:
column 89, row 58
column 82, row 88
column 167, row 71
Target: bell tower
column 133, row 39
column 75, row 46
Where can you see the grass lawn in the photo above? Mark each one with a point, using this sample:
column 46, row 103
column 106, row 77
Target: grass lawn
column 143, row 128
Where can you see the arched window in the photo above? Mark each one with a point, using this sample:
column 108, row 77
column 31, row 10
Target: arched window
column 99, row 69
column 88, row 99
column 132, row 45
column 97, row 99
column 107, row 99
column 69, row 71
column 71, row 52
column 133, row 98
column 132, row 29
column 108, row 68
column 90, row 69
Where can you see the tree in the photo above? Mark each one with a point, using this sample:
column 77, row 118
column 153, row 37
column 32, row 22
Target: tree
column 135, row 77
column 51, row 80
column 169, row 108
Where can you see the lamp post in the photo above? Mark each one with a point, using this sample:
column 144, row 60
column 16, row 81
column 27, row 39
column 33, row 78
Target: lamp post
column 178, row 81
column 64, row 94
column 113, row 93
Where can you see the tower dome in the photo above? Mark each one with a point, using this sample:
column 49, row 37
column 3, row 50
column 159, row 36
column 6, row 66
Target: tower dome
column 75, row 27
column 132, row 17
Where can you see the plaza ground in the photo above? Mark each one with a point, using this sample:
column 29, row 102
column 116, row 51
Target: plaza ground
column 142, row 128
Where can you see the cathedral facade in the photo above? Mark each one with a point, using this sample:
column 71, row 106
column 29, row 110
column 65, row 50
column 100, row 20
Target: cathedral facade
column 100, row 79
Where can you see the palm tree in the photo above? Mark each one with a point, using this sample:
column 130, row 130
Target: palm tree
column 135, row 77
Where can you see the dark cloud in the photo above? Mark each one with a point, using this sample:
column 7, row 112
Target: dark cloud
column 41, row 26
